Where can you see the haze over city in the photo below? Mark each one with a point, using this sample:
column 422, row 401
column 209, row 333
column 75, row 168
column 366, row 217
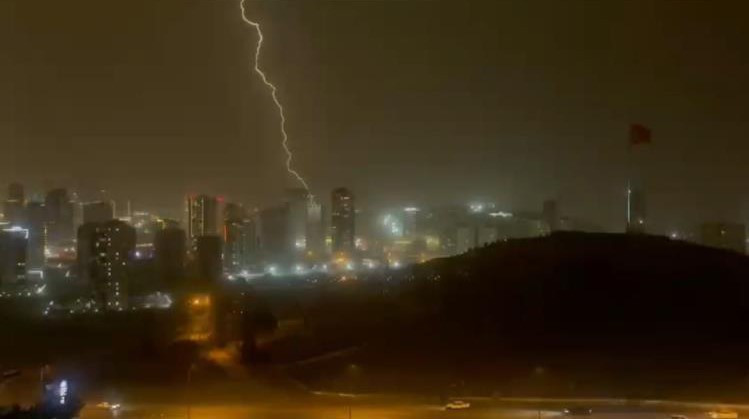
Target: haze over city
column 417, row 102
column 396, row 209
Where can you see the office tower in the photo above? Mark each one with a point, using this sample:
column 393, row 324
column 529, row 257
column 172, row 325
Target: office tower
column 105, row 251
column 728, row 236
column 272, row 234
column 234, row 237
column 59, row 217
column 36, row 215
column 297, row 201
column 13, row 244
column 202, row 217
column 250, row 258
column 342, row 221
column 14, row 205
column 170, row 248
column 97, row 212
column 315, row 241
column 208, row 259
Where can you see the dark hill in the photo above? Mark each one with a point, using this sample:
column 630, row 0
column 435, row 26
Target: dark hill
column 629, row 315
column 571, row 314
column 596, row 285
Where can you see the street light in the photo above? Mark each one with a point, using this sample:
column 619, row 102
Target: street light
column 352, row 372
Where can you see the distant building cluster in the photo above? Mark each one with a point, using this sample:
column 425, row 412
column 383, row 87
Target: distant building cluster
column 58, row 241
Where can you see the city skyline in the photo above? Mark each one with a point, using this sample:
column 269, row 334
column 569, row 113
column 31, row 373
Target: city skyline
column 374, row 208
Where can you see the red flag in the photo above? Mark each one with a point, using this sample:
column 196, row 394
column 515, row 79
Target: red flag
column 639, row 134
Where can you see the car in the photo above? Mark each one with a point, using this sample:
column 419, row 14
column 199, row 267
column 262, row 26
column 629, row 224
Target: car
column 457, row 405
column 108, row 406
column 577, row 411
column 679, row 417
column 722, row 414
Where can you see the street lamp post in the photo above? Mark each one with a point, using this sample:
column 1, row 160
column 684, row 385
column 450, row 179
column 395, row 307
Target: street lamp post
column 353, row 369
column 187, row 390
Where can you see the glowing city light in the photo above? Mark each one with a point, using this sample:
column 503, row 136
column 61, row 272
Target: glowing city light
column 274, row 95
column 476, row 207
column 63, row 391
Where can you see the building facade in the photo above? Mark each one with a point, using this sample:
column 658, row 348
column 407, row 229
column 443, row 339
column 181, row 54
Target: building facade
column 13, row 244
column 105, row 253
column 202, row 217
column 342, row 221
column 60, row 213
column 14, row 208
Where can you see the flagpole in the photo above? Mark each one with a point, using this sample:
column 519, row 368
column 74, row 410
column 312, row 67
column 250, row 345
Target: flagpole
column 629, row 184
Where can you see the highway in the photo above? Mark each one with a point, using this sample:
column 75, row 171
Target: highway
column 379, row 409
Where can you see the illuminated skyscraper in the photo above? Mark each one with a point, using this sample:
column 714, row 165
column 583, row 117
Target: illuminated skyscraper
column 315, row 240
column 235, row 241
column 14, row 205
column 105, row 251
column 342, row 221
column 202, row 217
column 305, row 229
column 297, row 201
column 60, row 230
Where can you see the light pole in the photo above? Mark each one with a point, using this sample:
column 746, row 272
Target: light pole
column 187, row 390
column 352, row 370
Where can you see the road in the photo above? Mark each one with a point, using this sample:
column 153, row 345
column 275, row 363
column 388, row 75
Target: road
column 374, row 409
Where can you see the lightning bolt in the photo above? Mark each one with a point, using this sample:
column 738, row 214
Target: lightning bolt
column 274, row 94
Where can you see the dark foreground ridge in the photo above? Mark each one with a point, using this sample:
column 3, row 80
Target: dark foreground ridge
column 575, row 314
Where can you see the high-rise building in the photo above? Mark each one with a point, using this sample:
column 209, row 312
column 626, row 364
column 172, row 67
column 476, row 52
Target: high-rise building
column 13, row 243
column 59, row 217
column 97, row 212
column 315, row 240
column 15, row 205
column 202, row 217
column 342, row 221
column 238, row 228
column 36, row 216
column 170, row 248
column 105, row 252
column 728, row 236
column 297, row 203
column 272, row 234
column 208, row 259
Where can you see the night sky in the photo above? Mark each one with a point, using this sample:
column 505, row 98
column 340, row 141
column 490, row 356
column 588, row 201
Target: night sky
column 409, row 102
